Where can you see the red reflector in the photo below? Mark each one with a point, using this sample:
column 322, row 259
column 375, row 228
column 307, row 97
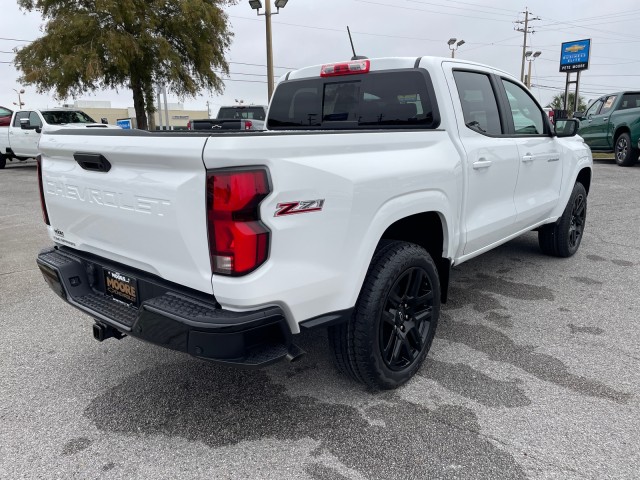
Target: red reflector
column 248, row 124
column 346, row 68
column 238, row 241
column 43, row 205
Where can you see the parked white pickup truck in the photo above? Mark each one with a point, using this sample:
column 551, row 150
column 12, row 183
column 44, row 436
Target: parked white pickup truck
column 19, row 141
column 375, row 177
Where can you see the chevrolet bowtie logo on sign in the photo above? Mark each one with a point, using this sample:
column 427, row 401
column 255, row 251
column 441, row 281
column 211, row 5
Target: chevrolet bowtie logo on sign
column 574, row 56
column 575, row 48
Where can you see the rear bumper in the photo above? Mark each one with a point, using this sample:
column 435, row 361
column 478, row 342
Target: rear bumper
column 168, row 315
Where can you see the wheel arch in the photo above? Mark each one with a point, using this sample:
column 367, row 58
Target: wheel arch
column 619, row 130
column 584, row 177
column 428, row 230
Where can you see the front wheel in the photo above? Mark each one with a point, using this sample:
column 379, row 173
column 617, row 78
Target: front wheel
column 626, row 155
column 3, row 161
column 394, row 321
column 562, row 239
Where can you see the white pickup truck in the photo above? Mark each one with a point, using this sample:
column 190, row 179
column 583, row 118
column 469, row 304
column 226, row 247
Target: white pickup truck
column 19, row 141
column 374, row 178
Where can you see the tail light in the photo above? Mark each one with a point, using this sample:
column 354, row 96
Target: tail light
column 346, row 68
column 43, row 205
column 248, row 124
column 189, row 125
column 238, row 240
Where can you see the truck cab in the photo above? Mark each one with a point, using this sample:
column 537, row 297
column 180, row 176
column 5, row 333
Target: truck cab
column 20, row 139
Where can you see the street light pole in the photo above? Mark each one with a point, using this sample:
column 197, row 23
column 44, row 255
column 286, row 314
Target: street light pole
column 257, row 5
column 269, row 50
column 530, row 57
column 19, row 92
column 453, row 46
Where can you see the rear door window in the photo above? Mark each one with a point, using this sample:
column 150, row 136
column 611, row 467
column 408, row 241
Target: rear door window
column 478, row 101
column 630, row 100
column 34, row 119
column 394, row 99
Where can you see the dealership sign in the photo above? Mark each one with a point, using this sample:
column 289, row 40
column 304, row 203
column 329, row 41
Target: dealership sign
column 574, row 56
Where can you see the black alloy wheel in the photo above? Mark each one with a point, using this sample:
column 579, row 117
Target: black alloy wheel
column 406, row 319
column 626, row 154
column 578, row 220
column 393, row 324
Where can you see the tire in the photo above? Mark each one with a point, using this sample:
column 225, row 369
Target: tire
column 3, row 161
column 626, row 155
column 562, row 239
column 393, row 324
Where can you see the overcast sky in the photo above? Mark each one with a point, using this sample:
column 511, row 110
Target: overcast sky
column 310, row 32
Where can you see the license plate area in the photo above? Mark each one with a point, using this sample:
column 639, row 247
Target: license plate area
column 121, row 287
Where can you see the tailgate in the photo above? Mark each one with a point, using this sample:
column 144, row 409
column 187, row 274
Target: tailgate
column 147, row 211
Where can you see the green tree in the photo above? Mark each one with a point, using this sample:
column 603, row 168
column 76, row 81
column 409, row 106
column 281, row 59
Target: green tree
column 558, row 103
column 93, row 44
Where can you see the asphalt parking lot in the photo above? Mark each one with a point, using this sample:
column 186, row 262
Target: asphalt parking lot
column 534, row 373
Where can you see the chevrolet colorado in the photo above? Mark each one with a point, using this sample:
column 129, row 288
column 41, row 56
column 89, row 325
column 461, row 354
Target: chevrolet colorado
column 374, row 178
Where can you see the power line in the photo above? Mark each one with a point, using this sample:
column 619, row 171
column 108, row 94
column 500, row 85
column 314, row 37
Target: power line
column 432, row 12
column 459, row 8
column 16, row 39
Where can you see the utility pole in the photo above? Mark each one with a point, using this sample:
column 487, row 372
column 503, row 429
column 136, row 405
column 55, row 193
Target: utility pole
column 526, row 29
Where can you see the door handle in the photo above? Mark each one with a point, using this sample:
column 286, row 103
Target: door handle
column 482, row 163
column 605, row 118
column 527, row 158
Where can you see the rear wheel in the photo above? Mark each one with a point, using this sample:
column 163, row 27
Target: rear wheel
column 562, row 239
column 626, row 155
column 3, row 161
column 395, row 319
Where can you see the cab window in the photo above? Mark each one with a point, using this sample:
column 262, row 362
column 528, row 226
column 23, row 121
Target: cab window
column 630, row 100
column 375, row 100
column 19, row 116
column 34, row 119
column 479, row 105
column 608, row 104
column 594, row 109
column 528, row 118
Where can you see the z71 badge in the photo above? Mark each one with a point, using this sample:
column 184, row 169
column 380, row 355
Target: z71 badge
column 303, row 206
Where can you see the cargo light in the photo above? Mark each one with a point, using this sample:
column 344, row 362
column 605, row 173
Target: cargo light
column 238, row 240
column 345, row 68
column 43, row 205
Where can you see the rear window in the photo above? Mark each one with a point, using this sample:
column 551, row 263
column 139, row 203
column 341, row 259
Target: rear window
column 395, row 99
column 241, row 113
column 60, row 117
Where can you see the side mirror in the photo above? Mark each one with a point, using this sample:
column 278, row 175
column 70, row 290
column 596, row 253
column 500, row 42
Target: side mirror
column 578, row 115
column 104, row 121
column 566, row 127
column 25, row 124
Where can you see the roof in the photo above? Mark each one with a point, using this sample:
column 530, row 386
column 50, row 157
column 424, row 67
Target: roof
column 389, row 63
